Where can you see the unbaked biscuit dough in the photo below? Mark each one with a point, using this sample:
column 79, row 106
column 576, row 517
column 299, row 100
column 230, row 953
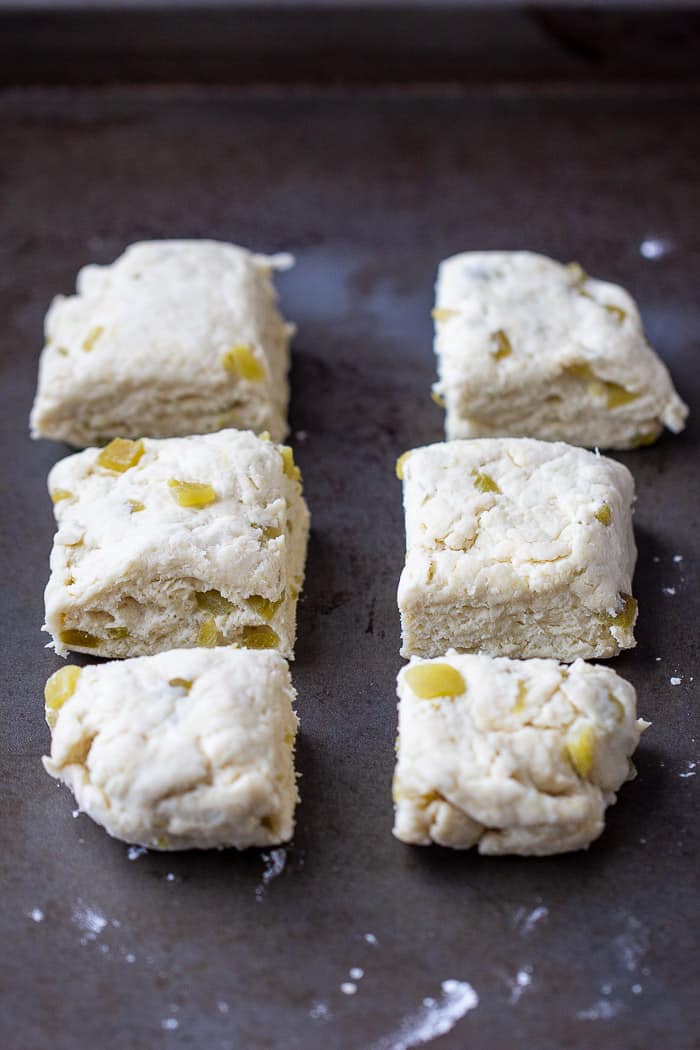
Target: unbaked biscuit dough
column 510, row 756
column 174, row 338
column 190, row 749
column 176, row 543
column 516, row 547
column 528, row 347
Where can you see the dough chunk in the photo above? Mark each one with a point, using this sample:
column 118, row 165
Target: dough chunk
column 528, row 347
column 190, row 749
column 516, row 547
column 510, row 756
column 174, row 338
column 176, row 543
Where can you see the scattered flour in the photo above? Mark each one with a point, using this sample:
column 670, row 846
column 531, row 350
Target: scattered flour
column 89, row 920
column 437, row 1017
column 603, row 1010
column 371, row 939
column 170, row 1024
column 222, row 1006
column 348, row 987
column 675, row 680
column 670, row 591
column 357, row 973
column 653, row 248
column 636, row 989
column 523, row 980
column 525, row 922
column 678, row 558
column 320, row 1012
column 274, row 862
column 36, row 915
column 633, row 944
column 690, row 770
column 134, row 852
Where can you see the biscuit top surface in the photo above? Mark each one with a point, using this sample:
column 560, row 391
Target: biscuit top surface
column 229, row 528
column 162, row 304
column 488, row 511
column 554, row 314
column 510, row 720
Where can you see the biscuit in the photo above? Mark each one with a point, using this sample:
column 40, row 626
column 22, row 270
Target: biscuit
column 510, row 756
column 528, row 347
column 516, row 547
column 176, row 543
column 174, row 338
column 190, row 749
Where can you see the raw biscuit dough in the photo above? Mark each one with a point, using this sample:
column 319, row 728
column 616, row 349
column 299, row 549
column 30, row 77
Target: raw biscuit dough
column 529, row 347
column 174, row 338
column 190, row 749
column 133, row 572
column 516, row 547
column 524, row 759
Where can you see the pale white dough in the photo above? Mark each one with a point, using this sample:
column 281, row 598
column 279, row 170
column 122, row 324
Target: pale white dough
column 190, row 749
column 503, row 764
column 528, row 347
column 141, row 348
column 506, row 552
column 141, row 574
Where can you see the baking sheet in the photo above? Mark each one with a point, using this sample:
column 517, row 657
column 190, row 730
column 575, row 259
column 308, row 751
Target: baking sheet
column 370, row 191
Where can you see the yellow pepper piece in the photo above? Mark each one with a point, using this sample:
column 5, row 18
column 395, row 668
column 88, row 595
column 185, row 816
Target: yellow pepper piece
column 577, row 272
column 437, row 398
column 264, row 606
column 290, row 468
column 61, row 686
column 400, row 462
column 502, row 345
column 115, row 633
column 207, row 636
column 121, row 454
column 242, row 361
column 431, row 680
column 603, row 514
column 580, row 744
column 191, row 493
column 646, row 439
column 626, row 617
column 618, row 395
column 136, row 505
column 519, row 705
column 58, row 494
column 443, row 313
column 616, row 311
column 92, row 337
column 264, row 435
column 76, row 639
column 485, row 483
column 213, row 602
column 181, row 683
column 259, row 637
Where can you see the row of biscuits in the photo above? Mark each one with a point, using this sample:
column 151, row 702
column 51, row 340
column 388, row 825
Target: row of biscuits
column 180, row 558
column 520, row 554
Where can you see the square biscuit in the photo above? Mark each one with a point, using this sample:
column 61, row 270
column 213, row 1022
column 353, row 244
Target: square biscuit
column 516, row 547
column 189, row 749
column 510, row 756
column 528, row 347
column 174, row 338
column 176, row 543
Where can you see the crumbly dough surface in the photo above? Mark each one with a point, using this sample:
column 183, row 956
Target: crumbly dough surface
column 517, row 547
column 137, row 573
column 524, row 760
column 190, row 749
column 529, row 347
column 141, row 349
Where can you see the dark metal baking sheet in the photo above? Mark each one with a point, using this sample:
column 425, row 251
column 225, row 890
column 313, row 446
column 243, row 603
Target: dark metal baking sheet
column 370, row 191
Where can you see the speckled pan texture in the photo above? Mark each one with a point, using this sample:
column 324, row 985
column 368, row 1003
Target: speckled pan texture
column 350, row 939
